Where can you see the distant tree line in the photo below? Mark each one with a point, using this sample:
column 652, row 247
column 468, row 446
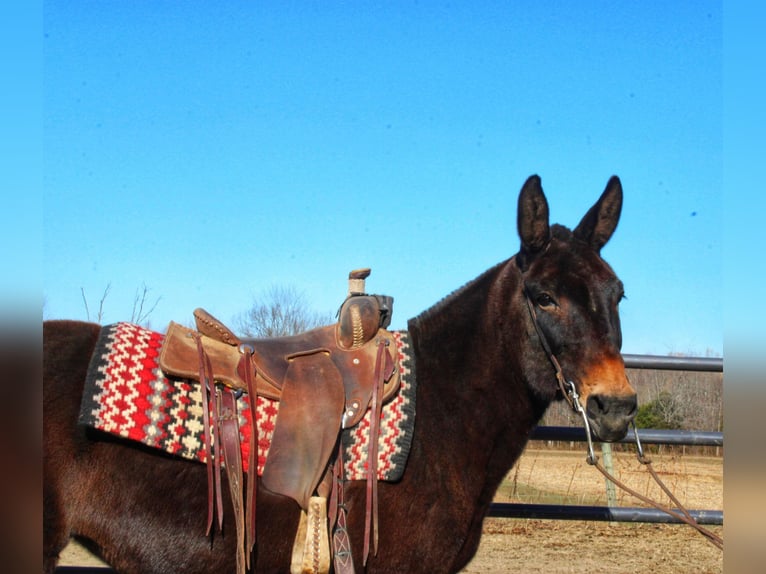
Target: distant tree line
column 279, row 311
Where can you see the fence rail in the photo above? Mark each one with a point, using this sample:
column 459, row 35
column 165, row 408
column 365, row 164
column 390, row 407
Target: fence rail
column 646, row 436
column 673, row 363
column 599, row 513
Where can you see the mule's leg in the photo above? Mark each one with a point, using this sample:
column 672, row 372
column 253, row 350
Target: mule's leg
column 144, row 512
column 67, row 347
column 55, row 530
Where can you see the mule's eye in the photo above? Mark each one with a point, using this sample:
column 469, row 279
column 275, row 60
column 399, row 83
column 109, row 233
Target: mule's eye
column 544, row 300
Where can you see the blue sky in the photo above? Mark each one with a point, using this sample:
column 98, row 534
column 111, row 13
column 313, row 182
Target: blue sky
column 209, row 151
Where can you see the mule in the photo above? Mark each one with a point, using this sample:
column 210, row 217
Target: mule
column 484, row 379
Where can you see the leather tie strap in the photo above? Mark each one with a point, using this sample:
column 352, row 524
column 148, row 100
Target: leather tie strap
column 229, row 431
column 371, row 507
column 205, row 384
column 252, row 478
column 224, row 428
column 343, row 560
column 217, row 444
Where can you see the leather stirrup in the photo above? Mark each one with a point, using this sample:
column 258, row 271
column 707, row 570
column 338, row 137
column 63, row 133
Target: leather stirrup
column 311, row 549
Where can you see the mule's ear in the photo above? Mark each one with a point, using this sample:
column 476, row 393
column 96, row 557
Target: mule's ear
column 599, row 223
column 534, row 230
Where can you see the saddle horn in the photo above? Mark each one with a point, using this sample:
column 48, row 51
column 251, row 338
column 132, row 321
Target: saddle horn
column 356, row 283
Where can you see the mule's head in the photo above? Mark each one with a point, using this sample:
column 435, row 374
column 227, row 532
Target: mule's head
column 573, row 296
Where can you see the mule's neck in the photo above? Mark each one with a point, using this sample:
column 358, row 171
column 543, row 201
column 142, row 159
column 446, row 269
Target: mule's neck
column 472, row 393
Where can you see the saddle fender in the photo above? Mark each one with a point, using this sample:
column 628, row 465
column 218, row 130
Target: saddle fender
column 307, row 427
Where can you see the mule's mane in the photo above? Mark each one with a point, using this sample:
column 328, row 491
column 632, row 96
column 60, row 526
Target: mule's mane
column 445, row 301
column 561, row 232
column 558, row 231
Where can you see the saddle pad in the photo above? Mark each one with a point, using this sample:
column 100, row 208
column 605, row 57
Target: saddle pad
column 127, row 394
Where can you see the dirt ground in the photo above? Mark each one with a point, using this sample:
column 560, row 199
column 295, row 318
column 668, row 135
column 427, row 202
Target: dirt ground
column 565, row 546
column 559, row 547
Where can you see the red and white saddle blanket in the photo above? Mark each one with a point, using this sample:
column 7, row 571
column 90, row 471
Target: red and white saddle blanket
column 127, row 394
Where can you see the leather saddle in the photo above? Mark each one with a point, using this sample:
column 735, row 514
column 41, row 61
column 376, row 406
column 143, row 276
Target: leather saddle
column 324, row 379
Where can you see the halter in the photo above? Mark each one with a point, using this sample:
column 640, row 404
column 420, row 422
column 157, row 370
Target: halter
column 569, row 391
column 567, row 387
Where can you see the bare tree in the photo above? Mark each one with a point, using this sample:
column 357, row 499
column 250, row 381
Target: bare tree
column 141, row 314
column 100, row 316
column 141, row 307
column 279, row 311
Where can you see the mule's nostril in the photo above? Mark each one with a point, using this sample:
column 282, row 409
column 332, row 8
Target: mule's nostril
column 598, row 404
column 604, row 405
column 610, row 415
column 627, row 407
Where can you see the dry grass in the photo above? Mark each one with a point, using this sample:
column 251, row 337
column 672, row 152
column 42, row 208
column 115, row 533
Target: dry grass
column 558, row 547
column 563, row 477
column 562, row 546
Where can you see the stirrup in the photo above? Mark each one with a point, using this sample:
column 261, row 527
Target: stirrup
column 311, row 549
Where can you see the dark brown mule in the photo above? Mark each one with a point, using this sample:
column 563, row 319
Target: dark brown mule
column 484, row 380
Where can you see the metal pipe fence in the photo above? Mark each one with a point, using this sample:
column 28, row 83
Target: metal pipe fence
column 674, row 363
column 646, row 436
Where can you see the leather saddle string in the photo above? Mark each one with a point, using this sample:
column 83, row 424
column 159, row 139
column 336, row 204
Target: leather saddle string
column 205, row 382
column 216, row 453
column 232, row 453
column 371, row 507
column 343, row 561
column 335, row 499
column 252, row 478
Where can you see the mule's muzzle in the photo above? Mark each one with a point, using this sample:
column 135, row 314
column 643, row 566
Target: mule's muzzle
column 610, row 416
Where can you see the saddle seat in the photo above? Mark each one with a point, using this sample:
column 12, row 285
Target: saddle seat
column 272, row 359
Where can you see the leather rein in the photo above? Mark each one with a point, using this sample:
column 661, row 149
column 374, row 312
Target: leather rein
column 569, row 392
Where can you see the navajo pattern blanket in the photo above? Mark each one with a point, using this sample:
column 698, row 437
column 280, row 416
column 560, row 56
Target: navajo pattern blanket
column 127, row 394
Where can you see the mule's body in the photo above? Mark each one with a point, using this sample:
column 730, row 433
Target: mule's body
column 484, row 381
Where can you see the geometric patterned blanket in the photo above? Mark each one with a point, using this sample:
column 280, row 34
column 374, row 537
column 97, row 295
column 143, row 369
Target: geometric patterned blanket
column 127, row 394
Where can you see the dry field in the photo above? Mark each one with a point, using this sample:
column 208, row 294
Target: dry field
column 563, row 546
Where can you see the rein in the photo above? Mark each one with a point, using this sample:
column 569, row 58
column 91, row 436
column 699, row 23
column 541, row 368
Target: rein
column 569, row 391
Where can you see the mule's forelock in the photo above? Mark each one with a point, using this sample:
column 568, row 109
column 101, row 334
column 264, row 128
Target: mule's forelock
column 598, row 225
column 532, row 220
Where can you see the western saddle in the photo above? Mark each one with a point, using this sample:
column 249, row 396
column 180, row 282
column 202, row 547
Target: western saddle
column 325, row 380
